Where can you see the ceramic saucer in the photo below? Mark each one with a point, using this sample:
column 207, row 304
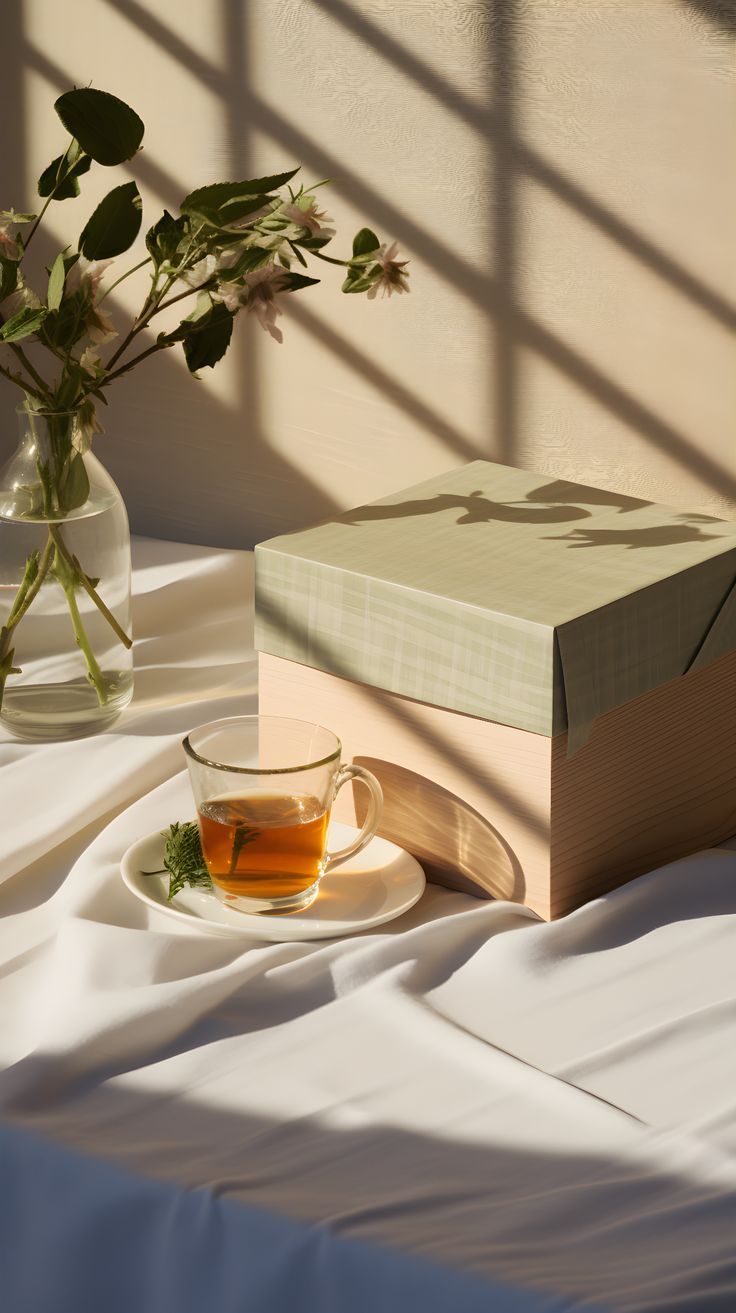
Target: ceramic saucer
column 379, row 884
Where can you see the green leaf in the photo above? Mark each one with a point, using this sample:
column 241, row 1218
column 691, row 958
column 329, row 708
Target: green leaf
column 252, row 258
column 228, row 196
column 295, row 282
column 8, row 276
column 114, row 225
column 22, row 324
column 364, row 242
column 233, row 211
column 164, row 237
column 358, row 282
column 59, row 180
column 207, row 338
column 105, row 127
column 56, row 282
column 65, row 326
column 298, row 254
column 68, row 390
column 75, row 489
column 314, row 243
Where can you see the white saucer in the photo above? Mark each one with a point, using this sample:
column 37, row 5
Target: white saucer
column 379, row 884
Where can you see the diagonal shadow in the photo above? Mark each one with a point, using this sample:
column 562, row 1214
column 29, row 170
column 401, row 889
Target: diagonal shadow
column 507, row 259
column 722, row 13
column 483, row 120
column 491, row 119
column 387, row 384
column 482, row 291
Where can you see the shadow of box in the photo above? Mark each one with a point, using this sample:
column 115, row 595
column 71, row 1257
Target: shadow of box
column 540, row 674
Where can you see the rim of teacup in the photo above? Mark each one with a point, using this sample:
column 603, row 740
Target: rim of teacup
column 260, row 770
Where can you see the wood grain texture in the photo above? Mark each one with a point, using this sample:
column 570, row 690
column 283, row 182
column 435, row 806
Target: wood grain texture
column 656, row 780
column 487, row 805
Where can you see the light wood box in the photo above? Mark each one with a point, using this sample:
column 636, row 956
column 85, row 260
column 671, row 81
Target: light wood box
column 505, row 813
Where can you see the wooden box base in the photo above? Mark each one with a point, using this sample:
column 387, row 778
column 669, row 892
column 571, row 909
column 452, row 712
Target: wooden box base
column 504, row 813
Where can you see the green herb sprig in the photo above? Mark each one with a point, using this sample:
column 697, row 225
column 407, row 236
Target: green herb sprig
column 183, row 858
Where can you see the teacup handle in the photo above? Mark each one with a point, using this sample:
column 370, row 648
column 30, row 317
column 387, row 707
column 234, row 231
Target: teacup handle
column 375, row 807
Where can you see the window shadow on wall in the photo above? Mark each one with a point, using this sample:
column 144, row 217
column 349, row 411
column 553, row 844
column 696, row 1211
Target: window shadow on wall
column 276, row 491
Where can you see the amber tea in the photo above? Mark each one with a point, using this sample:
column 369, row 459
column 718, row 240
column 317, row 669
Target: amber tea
column 264, row 845
column 263, row 786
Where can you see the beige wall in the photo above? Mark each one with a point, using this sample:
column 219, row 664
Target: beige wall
column 561, row 173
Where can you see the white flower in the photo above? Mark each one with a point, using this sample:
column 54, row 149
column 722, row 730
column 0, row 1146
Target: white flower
column 392, row 278
column 100, row 328
column 201, row 272
column 258, row 292
column 305, row 214
column 86, row 276
column 89, row 361
column 86, row 426
column 25, row 297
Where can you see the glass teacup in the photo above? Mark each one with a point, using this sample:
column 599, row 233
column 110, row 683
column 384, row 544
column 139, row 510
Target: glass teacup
column 264, row 787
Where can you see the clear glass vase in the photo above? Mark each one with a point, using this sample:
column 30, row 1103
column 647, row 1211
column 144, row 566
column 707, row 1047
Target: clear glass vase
column 66, row 665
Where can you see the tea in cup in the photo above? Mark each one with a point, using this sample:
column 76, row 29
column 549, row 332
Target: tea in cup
column 264, row 787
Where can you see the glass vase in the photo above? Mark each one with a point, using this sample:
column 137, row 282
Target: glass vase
column 65, row 644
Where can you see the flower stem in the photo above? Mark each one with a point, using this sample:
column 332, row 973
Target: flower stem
column 69, row 165
column 155, row 299
column 34, row 575
column 36, row 571
column 180, row 295
column 123, row 369
column 20, row 381
column 68, row 581
column 27, row 241
column 20, row 353
column 330, row 259
column 149, row 309
column 122, row 277
column 79, row 576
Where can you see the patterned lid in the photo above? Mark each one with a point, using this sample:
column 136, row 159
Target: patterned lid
column 501, row 594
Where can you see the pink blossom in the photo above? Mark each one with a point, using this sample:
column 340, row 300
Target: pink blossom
column 308, row 216
column 8, row 246
column 257, row 293
column 392, row 278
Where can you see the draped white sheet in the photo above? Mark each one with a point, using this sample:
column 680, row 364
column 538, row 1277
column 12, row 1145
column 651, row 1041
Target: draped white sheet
column 466, row 1109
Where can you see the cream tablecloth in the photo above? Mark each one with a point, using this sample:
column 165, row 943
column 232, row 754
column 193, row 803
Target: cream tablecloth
column 464, row 1110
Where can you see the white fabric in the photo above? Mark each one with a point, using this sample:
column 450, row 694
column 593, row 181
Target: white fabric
column 466, row 1109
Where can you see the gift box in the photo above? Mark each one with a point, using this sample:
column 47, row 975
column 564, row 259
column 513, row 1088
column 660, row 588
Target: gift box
column 541, row 674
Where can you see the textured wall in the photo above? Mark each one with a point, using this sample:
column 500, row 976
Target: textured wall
column 561, row 174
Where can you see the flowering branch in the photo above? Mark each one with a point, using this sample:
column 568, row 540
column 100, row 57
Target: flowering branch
column 233, row 246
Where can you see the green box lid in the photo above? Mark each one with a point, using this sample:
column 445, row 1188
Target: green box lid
column 500, row 594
